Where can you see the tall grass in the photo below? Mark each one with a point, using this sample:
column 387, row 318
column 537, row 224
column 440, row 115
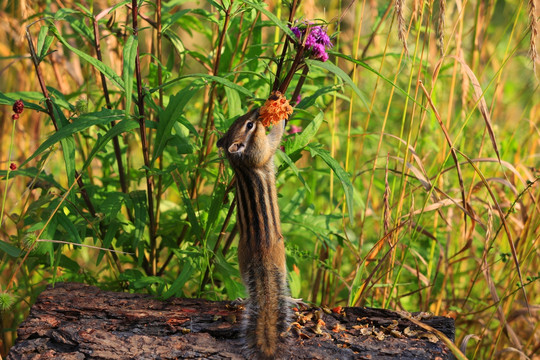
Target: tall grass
column 413, row 185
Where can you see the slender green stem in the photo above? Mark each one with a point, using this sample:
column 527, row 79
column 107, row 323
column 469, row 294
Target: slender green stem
column 207, row 141
column 8, row 170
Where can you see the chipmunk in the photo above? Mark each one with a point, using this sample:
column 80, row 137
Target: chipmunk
column 261, row 251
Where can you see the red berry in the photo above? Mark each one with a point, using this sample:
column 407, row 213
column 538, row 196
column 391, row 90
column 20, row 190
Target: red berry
column 18, row 107
column 14, row 116
column 13, row 167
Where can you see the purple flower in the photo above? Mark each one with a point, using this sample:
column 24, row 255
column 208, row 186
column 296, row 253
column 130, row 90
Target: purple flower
column 319, row 52
column 318, row 41
column 296, row 31
column 319, row 36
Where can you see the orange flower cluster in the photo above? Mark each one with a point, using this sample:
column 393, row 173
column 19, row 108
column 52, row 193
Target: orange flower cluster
column 275, row 109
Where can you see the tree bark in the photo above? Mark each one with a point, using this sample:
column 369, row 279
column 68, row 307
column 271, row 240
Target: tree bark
column 77, row 321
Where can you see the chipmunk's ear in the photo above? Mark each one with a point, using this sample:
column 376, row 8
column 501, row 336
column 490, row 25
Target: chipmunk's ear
column 237, row 148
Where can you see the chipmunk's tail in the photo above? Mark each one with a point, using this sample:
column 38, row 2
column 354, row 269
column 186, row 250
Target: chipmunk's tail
column 267, row 312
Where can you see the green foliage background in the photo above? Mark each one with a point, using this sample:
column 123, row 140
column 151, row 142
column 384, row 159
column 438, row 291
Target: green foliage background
column 413, row 184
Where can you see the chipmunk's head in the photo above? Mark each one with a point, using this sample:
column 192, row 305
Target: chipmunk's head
column 245, row 139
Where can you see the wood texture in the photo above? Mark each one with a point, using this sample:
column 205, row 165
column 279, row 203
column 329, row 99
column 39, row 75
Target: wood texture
column 76, row 321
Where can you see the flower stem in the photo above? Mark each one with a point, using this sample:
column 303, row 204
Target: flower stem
column 8, row 171
column 299, row 86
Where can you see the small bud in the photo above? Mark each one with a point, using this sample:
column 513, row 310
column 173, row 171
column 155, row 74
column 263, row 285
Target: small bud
column 13, row 167
column 15, row 117
column 295, row 129
column 18, row 107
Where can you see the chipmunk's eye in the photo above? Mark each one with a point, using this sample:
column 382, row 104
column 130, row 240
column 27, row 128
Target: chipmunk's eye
column 249, row 125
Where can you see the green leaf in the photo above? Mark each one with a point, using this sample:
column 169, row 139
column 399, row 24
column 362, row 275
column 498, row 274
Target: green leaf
column 229, row 273
column 341, row 74
column 138, row 199
column 120, row 128
column 112, row 229
column 169, row 117
column 217, row 5
column 282, row 25
column 193, row 220
column 81, row 123
column 10, row 249
column 205, row 78
column 34, row 173
column 185, row 275
column 147, row 282
column 302, row 139
column 233, row 102
column 120, row 4
column 10, row 98
column 65, row 222
column 310, row 100
column 130, row 53
column 215, row 207
column 41, row 40
column 106, row 70
column 176, row 41
column 68, row 147
column 170, row 20
column 62, row 13
column 287, row 160
column 340, row 173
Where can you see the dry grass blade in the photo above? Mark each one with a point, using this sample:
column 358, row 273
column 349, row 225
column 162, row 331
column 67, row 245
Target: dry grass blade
column 386, row 200
column 511, row 350
column 419, row 176
column 503, row 163
column 455, row 350
column 450, row 144
column 433, row 207
column 495, row 297
column 412, row 151
column 465, row 341
column 458, row 205
column 482, row 106
column 370, row 257
column 83, row 245
column 505, row 225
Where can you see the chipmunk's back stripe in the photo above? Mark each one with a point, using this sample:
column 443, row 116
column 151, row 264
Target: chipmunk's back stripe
column 241, row 210
column 262, row 207
column 257, row 207
column 246, row 194
column 273, row 206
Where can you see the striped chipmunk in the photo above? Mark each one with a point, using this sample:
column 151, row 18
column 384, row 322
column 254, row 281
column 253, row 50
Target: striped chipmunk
column 261, row 251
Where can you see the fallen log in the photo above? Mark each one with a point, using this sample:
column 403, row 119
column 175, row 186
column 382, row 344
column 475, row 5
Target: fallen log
column 77, row 321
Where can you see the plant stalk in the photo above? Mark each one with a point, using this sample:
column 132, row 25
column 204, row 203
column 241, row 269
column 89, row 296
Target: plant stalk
column 152, row 265
column 116, row 142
